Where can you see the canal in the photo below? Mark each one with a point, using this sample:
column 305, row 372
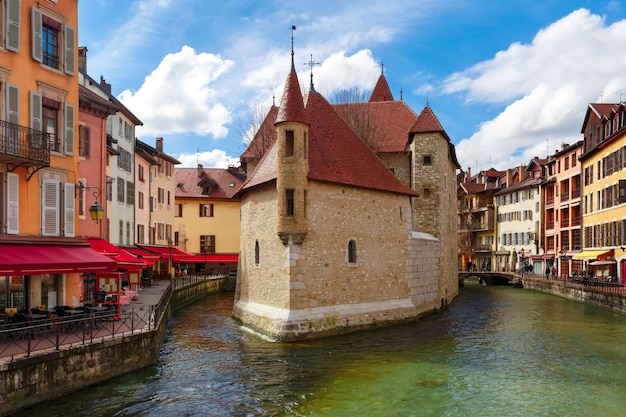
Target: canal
column 497, row 351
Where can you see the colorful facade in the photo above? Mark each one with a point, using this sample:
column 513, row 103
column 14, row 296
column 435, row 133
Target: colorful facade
column 603, row 162
column 41, row 258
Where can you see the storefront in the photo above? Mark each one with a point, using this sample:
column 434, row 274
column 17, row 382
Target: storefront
column 48, row 274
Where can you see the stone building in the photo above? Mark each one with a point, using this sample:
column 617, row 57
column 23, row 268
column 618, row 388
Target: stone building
column 328, row 239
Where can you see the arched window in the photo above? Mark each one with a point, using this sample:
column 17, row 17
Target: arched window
column 257, row 253
column 352, row 251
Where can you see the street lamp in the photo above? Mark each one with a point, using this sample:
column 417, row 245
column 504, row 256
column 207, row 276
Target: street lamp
column 96, row 211
column 170, row 263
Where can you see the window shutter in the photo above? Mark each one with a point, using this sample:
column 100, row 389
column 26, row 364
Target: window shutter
column 36, row 36
column 86, row 144
column 13, row 205
column 69, row 129
column 13, row 100
column 50, row 208
column 70, row 50
column 35, row 111
column 13, row 25
column 70, row 223
column 622, row 191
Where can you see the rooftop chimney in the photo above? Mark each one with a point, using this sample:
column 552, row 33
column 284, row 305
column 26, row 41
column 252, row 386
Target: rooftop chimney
column 82, row 59
column 200, row 170
column 159, row 144
column 103, row 84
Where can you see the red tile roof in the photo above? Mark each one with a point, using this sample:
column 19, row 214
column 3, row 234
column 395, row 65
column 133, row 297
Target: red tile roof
column 264, row 137
column 338, row 155
column 381, row 91
column 335, row 153
column 428, row 122
column 390, row 122
column 291, row 106
column 187, row 183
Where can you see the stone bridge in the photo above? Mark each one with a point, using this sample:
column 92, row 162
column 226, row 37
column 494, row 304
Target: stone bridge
column 489, row 278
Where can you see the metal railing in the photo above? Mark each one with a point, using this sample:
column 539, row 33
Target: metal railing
column 22, row 339
column 24, row 143
column 19, row 340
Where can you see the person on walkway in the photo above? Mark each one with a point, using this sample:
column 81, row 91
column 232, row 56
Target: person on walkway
column 548, row 273
column 554, row 272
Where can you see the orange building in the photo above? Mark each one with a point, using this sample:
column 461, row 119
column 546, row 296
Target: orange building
column 40, row 257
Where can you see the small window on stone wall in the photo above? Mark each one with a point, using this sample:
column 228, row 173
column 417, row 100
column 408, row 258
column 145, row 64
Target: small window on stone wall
column 352, row 252
column 426, row 193
column 257, row 253
column 427, row 160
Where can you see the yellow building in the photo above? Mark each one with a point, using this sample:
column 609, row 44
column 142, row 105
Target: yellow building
column 207, row 221
column 40, row 257
column 603, row 161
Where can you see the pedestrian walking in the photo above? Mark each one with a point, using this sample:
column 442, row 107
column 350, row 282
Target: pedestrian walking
column 548, row 273
column 554, row 272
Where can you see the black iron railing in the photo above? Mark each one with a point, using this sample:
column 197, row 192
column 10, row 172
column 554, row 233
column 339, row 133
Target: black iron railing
column 24, row 143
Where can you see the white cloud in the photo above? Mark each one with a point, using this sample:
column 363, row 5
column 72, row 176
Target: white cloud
column 544, row 88
column 213, row 159
column 176, row 97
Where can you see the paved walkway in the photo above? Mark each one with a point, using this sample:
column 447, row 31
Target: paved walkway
column 56, row 333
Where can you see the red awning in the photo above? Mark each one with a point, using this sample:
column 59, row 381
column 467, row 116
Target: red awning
column 164, row 251
column 125, row 260
column 211, row 258
column 142, row 254
column 18, row 259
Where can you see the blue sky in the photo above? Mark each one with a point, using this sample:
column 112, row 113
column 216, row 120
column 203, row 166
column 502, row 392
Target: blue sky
column 507, row 80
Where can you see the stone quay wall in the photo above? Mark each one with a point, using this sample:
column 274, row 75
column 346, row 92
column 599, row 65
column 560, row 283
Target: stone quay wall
column 611, row 300
column 48, row 375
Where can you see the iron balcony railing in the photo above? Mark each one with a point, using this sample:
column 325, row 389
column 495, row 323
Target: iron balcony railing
column 23, row 144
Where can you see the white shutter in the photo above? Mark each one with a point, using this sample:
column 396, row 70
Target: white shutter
column 13, row 103
column 13, row 25
column 13, row 116
column 35, row 111
column 36, row 29
column 70, row 50
column 50, row 208
column 13, row 204
column 70, row 221
column 69, row 129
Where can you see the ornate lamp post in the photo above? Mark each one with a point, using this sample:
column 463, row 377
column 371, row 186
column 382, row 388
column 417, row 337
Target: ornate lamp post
column 96, row 211
column 170, row 263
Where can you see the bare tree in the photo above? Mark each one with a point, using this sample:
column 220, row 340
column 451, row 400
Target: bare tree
column 353, row 107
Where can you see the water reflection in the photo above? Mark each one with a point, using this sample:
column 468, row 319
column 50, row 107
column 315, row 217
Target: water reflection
column 497, row 351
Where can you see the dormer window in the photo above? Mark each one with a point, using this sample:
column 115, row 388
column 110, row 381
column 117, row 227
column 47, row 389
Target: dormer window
column 207, row 185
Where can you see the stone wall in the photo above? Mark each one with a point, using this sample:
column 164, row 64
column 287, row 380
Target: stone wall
column 612, row 301
column 434, row 211
column 46, row 375
column 311, row 290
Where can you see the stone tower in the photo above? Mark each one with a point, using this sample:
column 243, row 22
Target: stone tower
column 291, row 178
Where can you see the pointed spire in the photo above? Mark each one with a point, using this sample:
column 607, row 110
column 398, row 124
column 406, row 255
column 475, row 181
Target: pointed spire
column 381, row 91
column 291, row 104
column 293, row 66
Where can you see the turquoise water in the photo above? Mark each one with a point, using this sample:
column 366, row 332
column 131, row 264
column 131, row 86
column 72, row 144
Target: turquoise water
column 498, row 351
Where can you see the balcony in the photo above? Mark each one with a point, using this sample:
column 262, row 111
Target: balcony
column 23, row 146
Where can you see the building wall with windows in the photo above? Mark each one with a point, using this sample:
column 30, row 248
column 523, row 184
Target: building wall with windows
column 39, row 150
column 518, row 219
column 603, row 176
column 144, row 163
column 207, row 216
column 563, row 209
